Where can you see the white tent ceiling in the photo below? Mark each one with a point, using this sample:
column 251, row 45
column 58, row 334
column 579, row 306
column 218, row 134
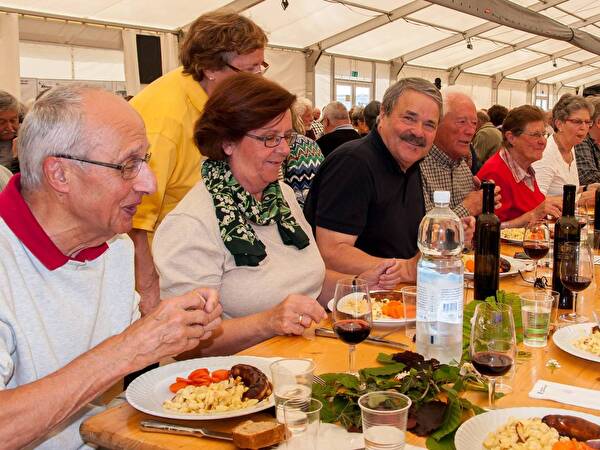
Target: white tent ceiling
column 413, row 32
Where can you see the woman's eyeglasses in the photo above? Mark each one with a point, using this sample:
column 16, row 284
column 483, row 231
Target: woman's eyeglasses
column 260, row 70
column 579, row 122
column 537, row 135
column 129, row 169
column 273, row 140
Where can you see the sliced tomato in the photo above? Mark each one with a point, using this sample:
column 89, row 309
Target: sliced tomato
column 175, row 387
column 220, row 375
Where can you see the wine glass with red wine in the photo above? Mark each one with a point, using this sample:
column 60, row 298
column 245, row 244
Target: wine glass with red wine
column 536, row 243
column 352, row 317
column 576, row 273
column 493, row 343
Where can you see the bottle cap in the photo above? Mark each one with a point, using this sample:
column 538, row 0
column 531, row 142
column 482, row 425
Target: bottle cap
column 441, row 197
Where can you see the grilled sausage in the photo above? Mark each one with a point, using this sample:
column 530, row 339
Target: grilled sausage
column 258, row 384
column 573, row 427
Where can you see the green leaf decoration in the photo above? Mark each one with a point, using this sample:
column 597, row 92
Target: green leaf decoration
column 451, row 420
column 446, row 443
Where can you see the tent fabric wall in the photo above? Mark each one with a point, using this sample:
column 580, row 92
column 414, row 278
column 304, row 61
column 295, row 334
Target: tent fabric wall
column 169, row 51
column 323, row 81
column 478, row 88
column 9, row 54
column 132, row 75
column 287, row 68
column 382, row 80
column 512, row 93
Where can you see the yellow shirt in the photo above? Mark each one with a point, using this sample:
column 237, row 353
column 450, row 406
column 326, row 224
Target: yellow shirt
column 170, row 107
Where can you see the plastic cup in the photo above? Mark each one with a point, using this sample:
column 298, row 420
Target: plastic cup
column 409, row 300
column 554, row 312
column 302, row 417
column 384, row 416
column 536, row 309
column 292, row 379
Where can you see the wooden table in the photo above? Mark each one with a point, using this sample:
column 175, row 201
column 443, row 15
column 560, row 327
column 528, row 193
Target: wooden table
column 117, row 428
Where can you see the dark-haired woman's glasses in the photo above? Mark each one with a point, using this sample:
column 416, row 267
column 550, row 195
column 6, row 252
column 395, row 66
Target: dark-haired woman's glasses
column 258, row 70
column 273, row 140
column 129, row 169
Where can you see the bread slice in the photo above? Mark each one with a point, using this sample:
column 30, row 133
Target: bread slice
column 254, row 435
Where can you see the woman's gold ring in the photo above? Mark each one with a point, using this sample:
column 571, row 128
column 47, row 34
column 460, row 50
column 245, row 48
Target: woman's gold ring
column 300, row 317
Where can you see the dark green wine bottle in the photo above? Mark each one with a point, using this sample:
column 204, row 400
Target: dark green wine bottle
column 566, row 230
column 487, row 246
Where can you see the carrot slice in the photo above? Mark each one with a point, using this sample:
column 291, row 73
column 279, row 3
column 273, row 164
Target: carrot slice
column 175, row 387
column 221, row 374
column 198, row 372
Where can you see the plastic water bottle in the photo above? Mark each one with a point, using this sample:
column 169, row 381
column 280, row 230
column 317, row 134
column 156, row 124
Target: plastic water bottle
column 440, row 277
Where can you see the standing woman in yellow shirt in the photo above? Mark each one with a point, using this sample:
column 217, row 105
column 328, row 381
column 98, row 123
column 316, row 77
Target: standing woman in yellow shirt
column 216, row 46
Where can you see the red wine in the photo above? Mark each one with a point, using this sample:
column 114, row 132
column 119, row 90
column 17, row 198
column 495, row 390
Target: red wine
column 576, row 283
column 487, row 247
column 535, row 251
column 352, row 331
column 566, row 230
column 491, row 363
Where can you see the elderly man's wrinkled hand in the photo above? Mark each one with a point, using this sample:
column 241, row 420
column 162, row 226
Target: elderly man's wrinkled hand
column 294, row 314
column 469, row 228
column 400, row 271
column 177, row 325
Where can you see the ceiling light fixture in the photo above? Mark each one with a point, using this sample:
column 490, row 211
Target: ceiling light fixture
column 554, row 63
column 469, row 44
column 285, row 4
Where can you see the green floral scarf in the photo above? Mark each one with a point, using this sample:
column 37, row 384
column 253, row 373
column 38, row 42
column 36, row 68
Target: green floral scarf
column 235, row 208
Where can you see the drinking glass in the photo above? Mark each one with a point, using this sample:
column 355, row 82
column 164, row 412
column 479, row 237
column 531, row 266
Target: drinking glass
column 536, row 313
column 352, row 317
column 384, row 415
column 536, row 243
column 576, row 273
column 493, row 343
column 301, row 418
column 292, row 379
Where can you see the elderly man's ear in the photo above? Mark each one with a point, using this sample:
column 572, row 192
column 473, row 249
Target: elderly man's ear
column 56, row 174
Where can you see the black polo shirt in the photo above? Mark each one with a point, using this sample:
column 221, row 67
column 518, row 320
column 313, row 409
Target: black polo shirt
column 360, row 190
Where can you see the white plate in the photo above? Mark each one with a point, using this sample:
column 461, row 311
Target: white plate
column 515, row 266
column 148, row 392
column 564, row 337
column 471, row 434
column 383, row 322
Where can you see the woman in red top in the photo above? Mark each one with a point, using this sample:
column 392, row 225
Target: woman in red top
column 524, row 141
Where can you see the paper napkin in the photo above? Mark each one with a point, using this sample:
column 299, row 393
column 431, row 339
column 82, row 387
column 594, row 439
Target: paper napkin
column 563, row 393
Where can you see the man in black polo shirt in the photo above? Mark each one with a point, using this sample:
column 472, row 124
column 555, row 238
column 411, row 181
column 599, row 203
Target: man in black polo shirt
column 366, row 202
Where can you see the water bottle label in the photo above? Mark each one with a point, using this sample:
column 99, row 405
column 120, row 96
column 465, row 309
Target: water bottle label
column 439, row 297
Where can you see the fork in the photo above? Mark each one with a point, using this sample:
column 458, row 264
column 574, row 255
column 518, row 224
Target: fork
column 320, row 381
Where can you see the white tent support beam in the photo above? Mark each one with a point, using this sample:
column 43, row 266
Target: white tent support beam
column 124, row 26
column 456, row 71
column 369, row 25
column 535, row 62
column 566, row 81
column 567, row 68
column 472, row 32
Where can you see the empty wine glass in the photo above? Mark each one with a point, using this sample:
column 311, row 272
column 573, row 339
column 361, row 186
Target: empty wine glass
column 352, row 318
column 576, row 273
column 536, row 243
column 493, row 343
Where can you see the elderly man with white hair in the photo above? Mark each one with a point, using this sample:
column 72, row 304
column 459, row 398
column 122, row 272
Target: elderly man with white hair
column 70, row 325
column 303, row 108
column 337, row 126
column 9, row 126
column 445, row 167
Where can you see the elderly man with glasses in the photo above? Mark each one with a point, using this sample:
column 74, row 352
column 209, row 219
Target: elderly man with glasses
column 70, row 324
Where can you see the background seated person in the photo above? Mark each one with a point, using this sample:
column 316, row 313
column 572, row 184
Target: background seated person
column 337, row 128
column 571, row 118
column 248, row 237
column 587, row 153
column 524, row 142
column 445, row 168
column 68, row 308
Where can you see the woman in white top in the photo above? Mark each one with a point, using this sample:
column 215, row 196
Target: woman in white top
column 242, row 231
column 571, row 117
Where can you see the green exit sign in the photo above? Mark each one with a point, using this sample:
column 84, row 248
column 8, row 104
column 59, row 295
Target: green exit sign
column 354, row 74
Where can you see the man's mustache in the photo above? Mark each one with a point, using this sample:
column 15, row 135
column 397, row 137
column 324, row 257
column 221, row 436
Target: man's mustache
column 412, row 139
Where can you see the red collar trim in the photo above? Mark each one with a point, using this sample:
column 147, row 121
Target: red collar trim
column 22, row 223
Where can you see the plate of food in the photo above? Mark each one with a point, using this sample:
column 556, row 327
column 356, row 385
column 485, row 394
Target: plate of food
column 581, row 340
column 205, row 388
column 388, row 308
column 508, row 266
column 512, row 235
column 526, row 428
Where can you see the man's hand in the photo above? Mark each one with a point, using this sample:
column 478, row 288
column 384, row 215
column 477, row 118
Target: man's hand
column 551, row 206
column 177, row 325
column 469, row 228
column 390, row 272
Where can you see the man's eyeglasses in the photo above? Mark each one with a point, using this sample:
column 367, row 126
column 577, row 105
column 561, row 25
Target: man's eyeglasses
column 538, row 134
column 129, row 169
column 264, row 66
column 579, row 122
column 273, row 140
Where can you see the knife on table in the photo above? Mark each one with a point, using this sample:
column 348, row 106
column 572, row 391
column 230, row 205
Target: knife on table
column 326, row 332
column 163, row 427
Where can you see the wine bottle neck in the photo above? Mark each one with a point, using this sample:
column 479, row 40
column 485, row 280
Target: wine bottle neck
column 568, row 200
column 488, row 198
